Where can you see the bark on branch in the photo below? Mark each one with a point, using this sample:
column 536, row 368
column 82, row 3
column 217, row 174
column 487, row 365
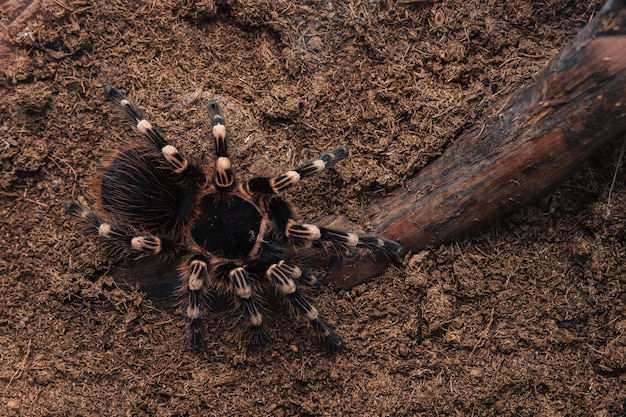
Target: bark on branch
column 517, row 152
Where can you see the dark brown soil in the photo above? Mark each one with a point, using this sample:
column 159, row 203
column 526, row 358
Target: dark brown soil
column 526, row 317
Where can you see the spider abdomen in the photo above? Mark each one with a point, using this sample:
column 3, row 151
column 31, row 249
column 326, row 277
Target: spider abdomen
column 142, row 192
column 227, row 225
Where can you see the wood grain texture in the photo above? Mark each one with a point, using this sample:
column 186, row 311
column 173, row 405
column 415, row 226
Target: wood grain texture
column 519, row 151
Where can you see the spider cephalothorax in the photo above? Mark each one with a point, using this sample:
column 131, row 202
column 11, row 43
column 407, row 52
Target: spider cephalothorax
column 228, row 235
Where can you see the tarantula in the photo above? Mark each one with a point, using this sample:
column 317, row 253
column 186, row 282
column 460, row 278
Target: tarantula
column 229, row 235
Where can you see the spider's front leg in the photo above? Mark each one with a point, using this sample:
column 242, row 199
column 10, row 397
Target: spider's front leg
column 241, row 284
column 284, row 277
column 197, row 272
column 303, row 234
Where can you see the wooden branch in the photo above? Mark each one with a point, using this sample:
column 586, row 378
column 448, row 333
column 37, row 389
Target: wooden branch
column 518, row 152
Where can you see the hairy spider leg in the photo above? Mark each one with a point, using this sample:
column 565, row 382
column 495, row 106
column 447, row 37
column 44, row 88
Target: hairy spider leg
column 241, row 284
column 195, row 274
column 283, row 277
column 224, row 177
column 189, row 172
column 122, row 242
column 303, row 234
column 279, row 183
column 198, row 273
